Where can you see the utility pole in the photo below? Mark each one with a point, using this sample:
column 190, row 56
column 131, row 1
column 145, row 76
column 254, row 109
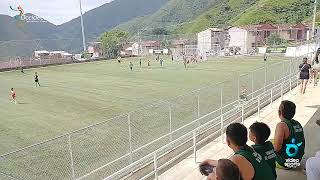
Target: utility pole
column 82, row 28
column 314, row 18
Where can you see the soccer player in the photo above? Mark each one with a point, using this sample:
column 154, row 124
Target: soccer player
column 265, row 57
column 259, row 134
column 36, row 79
column 13, row 96
column 131, row 66
column 140, row 63
column 161, row 62
column 22, row 70
column 148, row 63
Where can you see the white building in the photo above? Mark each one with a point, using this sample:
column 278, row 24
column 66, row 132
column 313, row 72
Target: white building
column 211, row 41
column 242, row 38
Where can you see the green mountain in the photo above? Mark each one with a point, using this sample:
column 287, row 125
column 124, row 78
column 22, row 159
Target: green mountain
column 170, row 14
column 184, row 16
column 144, row 16
column 68, row 35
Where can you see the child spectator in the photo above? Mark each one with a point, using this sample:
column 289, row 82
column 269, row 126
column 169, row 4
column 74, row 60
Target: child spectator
column 259, row 134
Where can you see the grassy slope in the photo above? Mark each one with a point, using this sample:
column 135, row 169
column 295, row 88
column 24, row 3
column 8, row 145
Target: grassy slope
column 244, row 12
column 171, row 14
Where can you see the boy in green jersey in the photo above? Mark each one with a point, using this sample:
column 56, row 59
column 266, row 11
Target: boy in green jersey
column 259, row 134
column 250, row 163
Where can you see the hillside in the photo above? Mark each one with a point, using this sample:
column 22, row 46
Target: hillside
column 108, row 16
column 176, row 16
column 172, row 13
column 221, row 13
column 244, row 12
column 96, row 21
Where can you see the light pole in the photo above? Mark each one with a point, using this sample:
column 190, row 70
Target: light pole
column 82, row 28
column 314, row 18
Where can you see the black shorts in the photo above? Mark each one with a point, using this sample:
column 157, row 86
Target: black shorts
column 36, row 80
column 304, row 75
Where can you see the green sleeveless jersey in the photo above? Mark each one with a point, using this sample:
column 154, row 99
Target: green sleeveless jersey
column 266, row 150
column 292, row 149
column 262, row 171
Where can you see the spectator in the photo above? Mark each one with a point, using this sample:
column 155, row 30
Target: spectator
column 315, row 70
column 250, row 163
column 313, row 167
column 304, row 75
column 225, row 170
column 289, row 142
column 259, row 134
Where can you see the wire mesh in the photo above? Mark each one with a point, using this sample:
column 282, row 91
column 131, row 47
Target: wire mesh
column 50, row 160
column 97, row 146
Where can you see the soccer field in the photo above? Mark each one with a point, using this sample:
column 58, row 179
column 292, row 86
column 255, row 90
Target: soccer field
column 77, row 95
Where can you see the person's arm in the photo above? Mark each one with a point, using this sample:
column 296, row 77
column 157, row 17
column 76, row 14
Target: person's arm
column 210, row 162
column 245, row 167
column 279, row 136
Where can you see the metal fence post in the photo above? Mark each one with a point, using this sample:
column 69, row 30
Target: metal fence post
column 282, row 90
column 258, row 108
column 71, row 157
column 252, row 85
column 221, row 113
column 170, row 122
column 242, row 113
column 239, row 91
column 271, row 100
column 198, row 106
column 195, row 146
column 130, row 138
column 265, row 77
column 155, row 166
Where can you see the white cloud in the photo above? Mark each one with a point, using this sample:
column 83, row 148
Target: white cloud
column 55, row 11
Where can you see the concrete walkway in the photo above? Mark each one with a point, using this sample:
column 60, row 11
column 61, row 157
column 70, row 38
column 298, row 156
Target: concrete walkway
column 307, row 113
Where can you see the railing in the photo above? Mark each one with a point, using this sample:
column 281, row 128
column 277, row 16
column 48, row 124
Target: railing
column 139, row 143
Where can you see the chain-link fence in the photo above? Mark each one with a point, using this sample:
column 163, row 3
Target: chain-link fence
column 126, row 144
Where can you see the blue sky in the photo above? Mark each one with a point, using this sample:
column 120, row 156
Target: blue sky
column 55, row 11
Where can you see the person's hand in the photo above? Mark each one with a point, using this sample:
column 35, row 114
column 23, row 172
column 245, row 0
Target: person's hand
column 212, row 176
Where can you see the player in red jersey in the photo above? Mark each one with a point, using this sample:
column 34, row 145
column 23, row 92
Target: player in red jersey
column 13, row 96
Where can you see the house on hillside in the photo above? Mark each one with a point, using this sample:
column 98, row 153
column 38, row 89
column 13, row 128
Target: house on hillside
column 43, row 54
column 178, row 46
column 95, row 49
column 252, row 36
column 148, row 46
column 211, row 41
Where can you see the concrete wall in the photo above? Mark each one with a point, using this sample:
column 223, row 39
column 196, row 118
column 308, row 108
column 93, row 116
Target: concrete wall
column 301, row 50
column 204, row 41
column 239, row 38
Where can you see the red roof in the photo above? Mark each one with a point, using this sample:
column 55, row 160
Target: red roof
column 269, row 27
column 150, row 43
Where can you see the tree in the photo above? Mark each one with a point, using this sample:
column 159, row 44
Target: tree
column 113, row 42
column 159, row 31
column 275, row 39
